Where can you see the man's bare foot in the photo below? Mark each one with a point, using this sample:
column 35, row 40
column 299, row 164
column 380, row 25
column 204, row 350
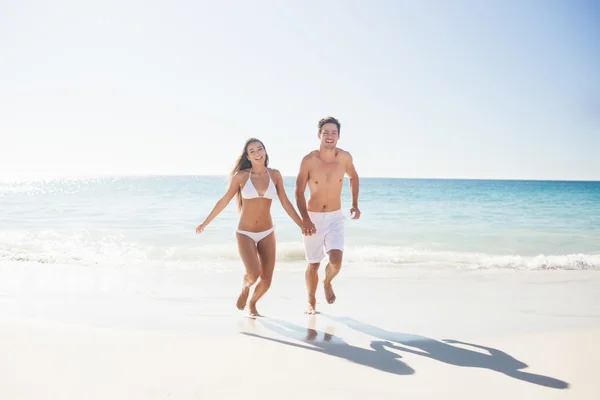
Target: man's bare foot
column 312, row 302
column 329, row 295
column 253, row 311
column 241, row 301
column 310, row 310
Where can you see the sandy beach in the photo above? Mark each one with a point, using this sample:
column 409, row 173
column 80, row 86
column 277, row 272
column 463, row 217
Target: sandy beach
column 419, row 336
column 147, row 147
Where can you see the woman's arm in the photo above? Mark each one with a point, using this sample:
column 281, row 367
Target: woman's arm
column 285, row 202
column 222, row 203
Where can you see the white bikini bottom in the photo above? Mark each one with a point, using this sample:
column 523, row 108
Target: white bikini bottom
column 256, row 236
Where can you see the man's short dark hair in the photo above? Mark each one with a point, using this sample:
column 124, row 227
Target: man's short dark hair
column 329, row 120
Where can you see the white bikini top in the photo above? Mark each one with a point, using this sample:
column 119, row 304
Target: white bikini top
column 250, row 192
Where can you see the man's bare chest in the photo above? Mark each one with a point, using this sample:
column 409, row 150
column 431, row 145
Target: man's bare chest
column 327, row 173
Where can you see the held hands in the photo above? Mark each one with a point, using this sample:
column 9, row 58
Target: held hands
column 308, row 228
column 356, row 212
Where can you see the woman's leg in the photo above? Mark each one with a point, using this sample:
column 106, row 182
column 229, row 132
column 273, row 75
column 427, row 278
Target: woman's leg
column 248, row 254
column 266, row 254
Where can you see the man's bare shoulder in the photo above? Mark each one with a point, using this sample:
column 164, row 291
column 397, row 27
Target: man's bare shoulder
column 313, row 155
column 343, row 154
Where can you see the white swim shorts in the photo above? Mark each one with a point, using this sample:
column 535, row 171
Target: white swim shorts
column 329, row 235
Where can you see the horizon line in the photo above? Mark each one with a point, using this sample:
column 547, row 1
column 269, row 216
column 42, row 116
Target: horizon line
column 150, row 175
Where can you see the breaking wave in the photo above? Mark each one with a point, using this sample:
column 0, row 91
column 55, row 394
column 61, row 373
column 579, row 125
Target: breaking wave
column 48, row 248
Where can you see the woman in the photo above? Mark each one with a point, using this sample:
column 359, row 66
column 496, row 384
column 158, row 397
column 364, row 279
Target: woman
column 255, row 186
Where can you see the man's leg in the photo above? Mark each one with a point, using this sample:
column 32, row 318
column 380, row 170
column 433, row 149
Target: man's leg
column 314, row 252
column 332, row 269
column 311, row 277
column 334, row 245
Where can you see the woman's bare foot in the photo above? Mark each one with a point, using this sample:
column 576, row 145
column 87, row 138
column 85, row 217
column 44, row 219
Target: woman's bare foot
column 329, row 294
column 241, row 301
column 253, row 311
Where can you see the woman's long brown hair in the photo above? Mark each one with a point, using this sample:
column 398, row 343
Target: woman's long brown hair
column 243, row 163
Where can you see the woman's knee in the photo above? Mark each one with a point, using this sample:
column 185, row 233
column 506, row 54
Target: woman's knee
column 266, row 280
column 252, row 277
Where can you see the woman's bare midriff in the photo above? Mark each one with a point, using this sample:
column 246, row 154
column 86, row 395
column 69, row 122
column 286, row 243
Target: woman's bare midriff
column 256, row 215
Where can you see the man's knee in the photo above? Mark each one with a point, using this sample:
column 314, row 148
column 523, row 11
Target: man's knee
column 335, row 258
column 313, row 266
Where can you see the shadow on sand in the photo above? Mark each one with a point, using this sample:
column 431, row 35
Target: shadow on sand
column 381, row 358
column 324, row 342
column 443, row 351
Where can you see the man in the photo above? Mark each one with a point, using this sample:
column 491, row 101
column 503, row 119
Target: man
column 323, row 171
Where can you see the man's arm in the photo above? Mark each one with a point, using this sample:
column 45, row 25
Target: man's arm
column 308, row 228
column 301, row 182
column 353, row 175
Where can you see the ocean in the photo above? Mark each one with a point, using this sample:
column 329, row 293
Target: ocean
column 147, row 222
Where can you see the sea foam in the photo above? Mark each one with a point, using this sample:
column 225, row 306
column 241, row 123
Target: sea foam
column 48, row 248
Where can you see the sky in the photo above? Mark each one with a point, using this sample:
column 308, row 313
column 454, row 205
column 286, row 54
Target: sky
column 423, row 89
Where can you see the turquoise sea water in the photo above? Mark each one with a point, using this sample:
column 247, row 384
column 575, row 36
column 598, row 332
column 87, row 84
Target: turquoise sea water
column 145, row 221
